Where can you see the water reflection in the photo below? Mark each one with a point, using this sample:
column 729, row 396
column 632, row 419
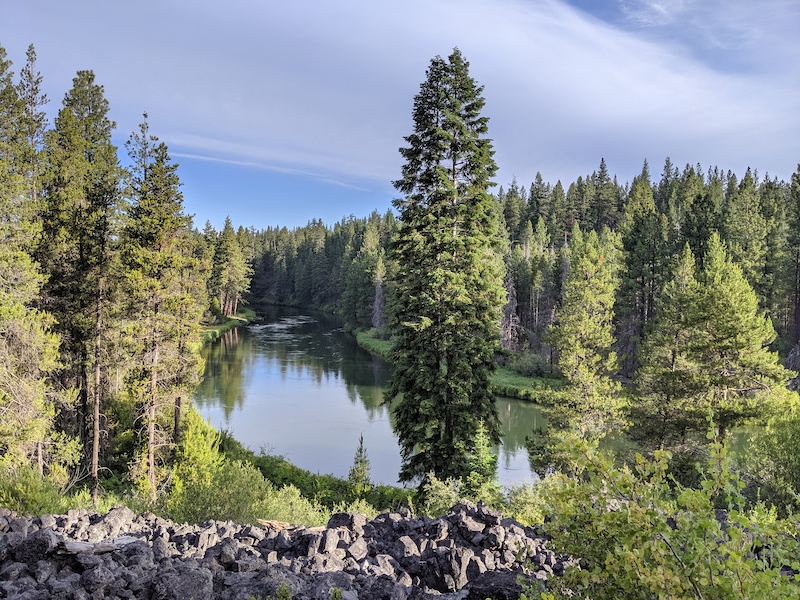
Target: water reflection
column 300, row 386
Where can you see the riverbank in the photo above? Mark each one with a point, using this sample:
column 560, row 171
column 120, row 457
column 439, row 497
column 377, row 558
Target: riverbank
column 209, row 333
column 506, row 382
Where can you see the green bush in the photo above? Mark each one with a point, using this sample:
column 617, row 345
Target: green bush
column 27, row 492
column 529, row 365
column 639, row 534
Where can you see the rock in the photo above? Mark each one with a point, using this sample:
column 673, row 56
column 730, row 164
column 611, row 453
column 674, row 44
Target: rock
column 37, row 546
column 358, row 549
column 497, row 585
column 123, row 555
column 183, row 583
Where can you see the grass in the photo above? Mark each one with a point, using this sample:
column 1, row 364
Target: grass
column 505, row 381
column 369, row 341
column 212, row 332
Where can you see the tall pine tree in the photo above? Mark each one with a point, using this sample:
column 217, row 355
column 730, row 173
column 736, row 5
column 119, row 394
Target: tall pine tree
column 448, row 287
column 163, row 312
column 82, row 195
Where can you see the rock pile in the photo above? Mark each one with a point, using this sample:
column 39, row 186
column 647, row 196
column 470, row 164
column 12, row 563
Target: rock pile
column 472, row 552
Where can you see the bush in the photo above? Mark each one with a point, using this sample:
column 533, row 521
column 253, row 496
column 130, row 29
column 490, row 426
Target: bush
column 640, row 535
column 27, row 492
column 439, row 496
column 529, row 365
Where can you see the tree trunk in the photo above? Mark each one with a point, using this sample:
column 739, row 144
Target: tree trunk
column 151, row 424
column 96, row 395
column 176, row 432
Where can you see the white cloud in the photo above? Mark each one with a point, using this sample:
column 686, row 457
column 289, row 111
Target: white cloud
column 325, row 89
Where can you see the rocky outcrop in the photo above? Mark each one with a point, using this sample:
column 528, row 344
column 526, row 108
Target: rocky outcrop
column 472, row 552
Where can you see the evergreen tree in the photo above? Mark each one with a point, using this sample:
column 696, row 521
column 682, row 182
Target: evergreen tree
column 704, row 214
column 583, row 332
column 707, row 349
column 794, row 264
column 605, row 200
column 745, row 229
column 480, row 484
column 513, row 209
column 164, row 316
column 448, row 287
column 644, row 242
column 560, row 219
column 33, row 126
column 82, row 194
column 230, row 275
column 28, row 348
column 669, row 378
column 359, row 472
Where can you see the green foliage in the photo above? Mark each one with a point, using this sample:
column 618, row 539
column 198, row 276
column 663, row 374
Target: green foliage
column 640, row 535
column 359, row 472
column 283, row 592
column 771, row 461
column 448, row 285
column 439, row 496
column 583, row 333
column 706, row 349
column 27, row 492
column 480, row 483
column 528, row 364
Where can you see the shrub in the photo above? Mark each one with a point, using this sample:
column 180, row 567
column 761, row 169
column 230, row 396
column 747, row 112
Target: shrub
column 529, row 365
column 27, row 492
column 639, row 534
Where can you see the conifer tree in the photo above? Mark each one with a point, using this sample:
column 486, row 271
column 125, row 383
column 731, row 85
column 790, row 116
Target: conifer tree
column 32, row 129
column 745, row 229
column 230, row 275
column 707, row 350
column 82, row 194
column 28, row 347
column 163, row 314
column 583, row 332
column 644, row 242
column 359, row 473
column 448, row 286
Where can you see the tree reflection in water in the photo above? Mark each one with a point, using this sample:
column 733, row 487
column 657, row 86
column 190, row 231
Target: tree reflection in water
column 301, row 386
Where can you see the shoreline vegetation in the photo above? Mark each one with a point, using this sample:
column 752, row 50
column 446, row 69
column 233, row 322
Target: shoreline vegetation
column 505, row 381
column 209, row 333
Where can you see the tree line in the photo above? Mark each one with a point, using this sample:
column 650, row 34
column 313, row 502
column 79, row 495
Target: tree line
column 104, row 283
column 658, row 300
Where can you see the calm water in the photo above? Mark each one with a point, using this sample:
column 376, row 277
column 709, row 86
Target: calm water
column 297, row 385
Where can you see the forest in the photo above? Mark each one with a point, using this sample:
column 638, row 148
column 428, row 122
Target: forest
column 663, row 313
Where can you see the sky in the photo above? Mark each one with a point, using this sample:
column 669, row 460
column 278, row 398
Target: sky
column 280, row 112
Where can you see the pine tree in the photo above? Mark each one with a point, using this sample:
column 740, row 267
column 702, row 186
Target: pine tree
column 794, row 264
column 605, row 201
column 82, row 194
column 29, row 404
column 33, row 127
column 480, row 484
column 583, row 332
column 448, row 286
column 231, row 272
column 669, row 377
column 644, row 242
column 707, row 350
column 359, row 473
column 163, row 314
column 745, row 229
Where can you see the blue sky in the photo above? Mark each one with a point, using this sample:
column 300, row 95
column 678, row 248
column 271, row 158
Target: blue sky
column 281, row 112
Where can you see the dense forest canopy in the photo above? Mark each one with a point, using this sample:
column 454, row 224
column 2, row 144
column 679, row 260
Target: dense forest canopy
column 666, row 304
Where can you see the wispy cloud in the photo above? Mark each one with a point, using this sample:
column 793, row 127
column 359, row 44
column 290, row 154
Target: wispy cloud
column 324, row 91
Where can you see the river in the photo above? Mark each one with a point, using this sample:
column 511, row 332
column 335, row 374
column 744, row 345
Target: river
column 298, row 386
